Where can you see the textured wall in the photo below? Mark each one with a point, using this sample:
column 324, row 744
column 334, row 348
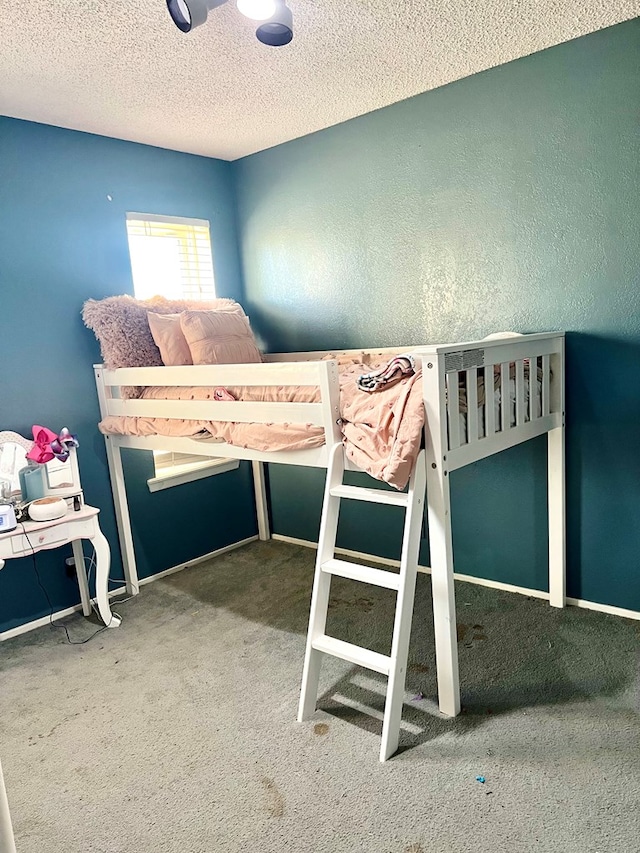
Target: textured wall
column 62, row 242
column 508, row 200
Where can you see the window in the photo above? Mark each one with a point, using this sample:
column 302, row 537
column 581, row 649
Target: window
column 173, row 469
column 171, row 257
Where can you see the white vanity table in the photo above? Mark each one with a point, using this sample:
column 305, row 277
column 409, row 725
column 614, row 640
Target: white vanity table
column 80, row 522
column 29, row 537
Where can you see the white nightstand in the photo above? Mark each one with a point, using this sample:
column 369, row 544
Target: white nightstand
column 32, row 536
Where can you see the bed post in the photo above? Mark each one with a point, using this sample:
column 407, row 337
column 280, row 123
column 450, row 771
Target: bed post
column 440, row 541
column 118, row 489
column 261, row 500
column 556, row 486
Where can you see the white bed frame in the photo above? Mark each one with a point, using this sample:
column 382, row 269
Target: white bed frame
column 446, row 448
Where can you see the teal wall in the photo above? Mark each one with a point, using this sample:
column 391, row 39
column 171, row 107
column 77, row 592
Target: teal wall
column 62, row 242
column 507, row 200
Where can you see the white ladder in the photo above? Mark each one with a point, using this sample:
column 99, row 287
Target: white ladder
column 318, row 643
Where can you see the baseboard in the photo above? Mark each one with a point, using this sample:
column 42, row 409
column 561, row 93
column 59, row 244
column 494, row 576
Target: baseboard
column 604, row 608
column 346, row 552
column 39, row 623
column 68, row 611
column 506, row 587
column 197, row 560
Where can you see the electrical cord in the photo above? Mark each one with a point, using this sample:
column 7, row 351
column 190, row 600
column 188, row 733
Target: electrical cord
column 92, row 566
column 52, row 623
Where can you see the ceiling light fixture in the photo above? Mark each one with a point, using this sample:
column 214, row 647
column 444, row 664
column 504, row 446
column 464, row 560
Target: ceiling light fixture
column 275, row 17
column 278, row 29
column 188, row 14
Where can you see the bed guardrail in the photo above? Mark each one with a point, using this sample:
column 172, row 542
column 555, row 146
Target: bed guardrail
column 485, row 396
column 321, row 374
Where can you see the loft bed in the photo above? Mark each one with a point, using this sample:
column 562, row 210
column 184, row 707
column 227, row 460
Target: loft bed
column 459, row 427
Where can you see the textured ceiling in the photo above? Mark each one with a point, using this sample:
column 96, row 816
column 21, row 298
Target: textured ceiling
column 121, row 68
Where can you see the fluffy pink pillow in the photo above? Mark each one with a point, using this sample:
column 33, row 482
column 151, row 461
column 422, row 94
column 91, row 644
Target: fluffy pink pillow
column 219, row 337
column 121, row 325
column 169, row 338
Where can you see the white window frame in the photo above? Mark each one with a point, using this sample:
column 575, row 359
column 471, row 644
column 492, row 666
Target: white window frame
column 185, row 468
column 174, row 469
column 189, row 255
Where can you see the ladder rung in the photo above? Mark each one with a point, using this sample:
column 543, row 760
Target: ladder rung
column 374, row 496
column 354, row 654
column 357, row 572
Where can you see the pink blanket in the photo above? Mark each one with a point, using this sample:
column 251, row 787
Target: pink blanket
column 382, row 430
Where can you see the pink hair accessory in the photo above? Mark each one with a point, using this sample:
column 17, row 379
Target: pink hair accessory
column 47, row 445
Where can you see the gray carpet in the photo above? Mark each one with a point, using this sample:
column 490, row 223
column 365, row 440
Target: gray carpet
column 177, row 731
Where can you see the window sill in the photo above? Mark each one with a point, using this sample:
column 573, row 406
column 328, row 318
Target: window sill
column 176, row 475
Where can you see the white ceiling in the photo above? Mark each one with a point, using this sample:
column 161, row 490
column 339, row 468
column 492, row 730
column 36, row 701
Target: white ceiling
column 121, row 68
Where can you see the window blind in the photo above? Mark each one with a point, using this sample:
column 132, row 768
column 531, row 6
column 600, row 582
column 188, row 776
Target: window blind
column 170, row 256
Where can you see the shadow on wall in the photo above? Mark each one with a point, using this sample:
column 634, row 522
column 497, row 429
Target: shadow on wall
column 277, row 330
column 603, row 467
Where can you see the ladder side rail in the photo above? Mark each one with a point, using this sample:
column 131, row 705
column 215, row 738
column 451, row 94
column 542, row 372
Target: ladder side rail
column 321, row 584
column 404, row 609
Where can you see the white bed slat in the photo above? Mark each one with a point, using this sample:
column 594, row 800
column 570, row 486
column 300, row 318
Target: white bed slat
column 509, row 349
column 212, row 375
column 314, row 458
column 533, row 389
column 520, row 392
column 218, row 410
column 505, row 402
column 489, row 402
column 472, row 404
column 545, row 385
column 453, row 410
column 316, row 355
column 468, row 453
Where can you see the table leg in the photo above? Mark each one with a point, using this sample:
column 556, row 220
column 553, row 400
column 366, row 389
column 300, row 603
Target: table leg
column 103, row 563
column 81, row 574
column 7, row 843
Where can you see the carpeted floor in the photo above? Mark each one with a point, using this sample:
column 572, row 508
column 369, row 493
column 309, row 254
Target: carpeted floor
column 177, row 731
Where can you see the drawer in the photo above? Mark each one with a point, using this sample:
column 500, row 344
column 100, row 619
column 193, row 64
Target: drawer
column 46, row 538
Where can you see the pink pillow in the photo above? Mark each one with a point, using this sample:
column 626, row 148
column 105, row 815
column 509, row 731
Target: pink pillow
column 122, row 328
column 169, row 338
column 219, row 337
